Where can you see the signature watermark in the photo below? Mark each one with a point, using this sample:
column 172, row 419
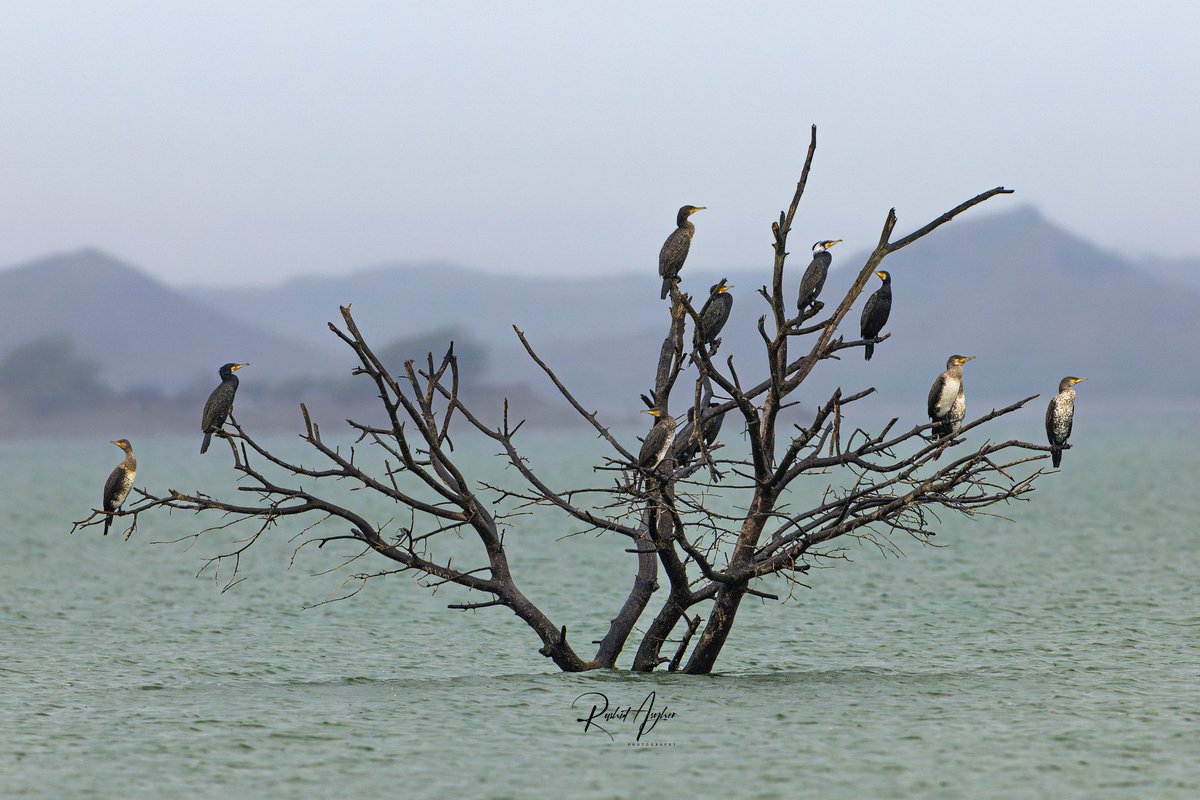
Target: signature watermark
column 600, row 716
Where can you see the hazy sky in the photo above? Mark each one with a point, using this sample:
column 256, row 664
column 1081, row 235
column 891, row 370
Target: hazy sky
column 235, row 142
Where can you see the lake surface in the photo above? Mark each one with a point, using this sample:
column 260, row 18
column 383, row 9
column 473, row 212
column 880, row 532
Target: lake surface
column 1055, row 655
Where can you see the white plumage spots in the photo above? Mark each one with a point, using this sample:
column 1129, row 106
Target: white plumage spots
column 1060, row 416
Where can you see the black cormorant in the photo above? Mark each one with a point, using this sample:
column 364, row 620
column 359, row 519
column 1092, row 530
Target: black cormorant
column 947, row 402
column 220, row 403
column 119, row 482
column 658, row 441
column 875, row 313
column 1059, row 416
column 686, row 444
column 814, row 277
column 714, row 315
column 675, row 249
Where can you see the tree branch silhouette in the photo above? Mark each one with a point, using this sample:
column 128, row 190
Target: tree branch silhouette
column 706, row 528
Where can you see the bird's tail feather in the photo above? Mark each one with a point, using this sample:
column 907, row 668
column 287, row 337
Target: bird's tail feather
column 666, row 288
column 940, row 431
column 1056, row 455
column 869, row 351
column 207, row 439
column 107, row 524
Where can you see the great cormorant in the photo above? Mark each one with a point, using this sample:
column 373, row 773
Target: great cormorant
column 814, row 277
column 1059, row 416
column 947, row 402
column 220, row 403
column 714, row 315
column 675, row 249
column 119, row 482
column 686, row 444
column 658, row 441
column 875, row 313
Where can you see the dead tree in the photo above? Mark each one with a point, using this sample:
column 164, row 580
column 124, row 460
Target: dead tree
column 884, row 483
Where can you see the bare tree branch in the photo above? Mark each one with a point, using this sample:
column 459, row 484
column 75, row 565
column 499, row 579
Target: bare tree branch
column 717, row 522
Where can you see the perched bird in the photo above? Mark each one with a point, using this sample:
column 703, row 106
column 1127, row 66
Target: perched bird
column 714, row 315
column 875, row 313
column 220, row 403
column 658, row 441
column 675, row 249
column 119, row 482
column 1059, row 416
column 687, row 446
column 947, row 402
column 814, row 277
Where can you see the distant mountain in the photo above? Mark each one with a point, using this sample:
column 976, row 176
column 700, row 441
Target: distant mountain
column 409, row 300
column 595, row 329
column 1031, row 300
column 142, row 332
column 1174, row 270
column 1034, row 303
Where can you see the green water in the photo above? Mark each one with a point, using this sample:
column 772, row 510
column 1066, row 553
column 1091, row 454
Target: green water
column 1057, row 655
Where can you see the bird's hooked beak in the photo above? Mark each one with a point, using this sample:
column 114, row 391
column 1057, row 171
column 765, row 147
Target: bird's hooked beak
column 1079, row 380
column 236, row 367
column 654, row 412
column 724, row 289
column 696, row 208
column 114, row 441
column 831, row 242
column 965, row 359
column 881, row 275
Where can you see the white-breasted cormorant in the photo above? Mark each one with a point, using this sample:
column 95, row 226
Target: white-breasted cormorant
column 947, row 401
column 876, row 312
column 714, row 315
column 220, row 403
column 675, row 249
column 687, row 446
column 1060, row 415
column 658, row 441
column 119, row 482
column 814, row 277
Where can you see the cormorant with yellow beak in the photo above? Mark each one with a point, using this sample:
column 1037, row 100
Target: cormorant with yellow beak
column 220, row 403
column 1060, row 415
column 947, row 402
column 714, row 315
column 658, row 441
column 119, row 482
column 876, row 312
column 675, row 249
column 814, row 277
